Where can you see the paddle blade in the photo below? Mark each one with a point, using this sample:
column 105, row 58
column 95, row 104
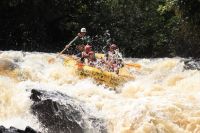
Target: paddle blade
column 52, row 60
column 133, row 65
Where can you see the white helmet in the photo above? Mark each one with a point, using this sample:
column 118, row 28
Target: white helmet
column 83, row 29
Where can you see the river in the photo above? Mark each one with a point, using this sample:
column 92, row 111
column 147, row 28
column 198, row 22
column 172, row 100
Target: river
column 164, row 96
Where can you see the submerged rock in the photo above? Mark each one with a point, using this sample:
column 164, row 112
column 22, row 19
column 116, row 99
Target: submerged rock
column 61, row 113
column 15, row 130
column 6, row 64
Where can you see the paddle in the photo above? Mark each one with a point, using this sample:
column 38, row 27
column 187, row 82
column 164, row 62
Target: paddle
column 66, row 47
column 127, row 64
column 133, row 65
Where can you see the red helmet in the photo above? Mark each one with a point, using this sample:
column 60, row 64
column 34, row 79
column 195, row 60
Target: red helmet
column 113, row 46
column 88, row 48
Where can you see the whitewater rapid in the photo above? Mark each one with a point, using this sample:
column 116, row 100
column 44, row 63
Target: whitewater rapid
column 163, row 98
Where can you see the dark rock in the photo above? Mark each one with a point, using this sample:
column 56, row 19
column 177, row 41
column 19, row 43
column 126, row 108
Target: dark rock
column 29, row 130
column 61, row 113
column 35, row 95
column 53, row 116
column 2, row 129
column 192, row 64
column 15, row 130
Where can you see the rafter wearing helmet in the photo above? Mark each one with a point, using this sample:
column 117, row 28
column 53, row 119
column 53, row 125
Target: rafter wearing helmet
column 79, row 43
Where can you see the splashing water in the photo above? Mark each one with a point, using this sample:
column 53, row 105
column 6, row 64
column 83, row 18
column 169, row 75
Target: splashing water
column 163, row 98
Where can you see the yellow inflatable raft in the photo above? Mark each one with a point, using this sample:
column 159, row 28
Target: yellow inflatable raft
column 110, row 79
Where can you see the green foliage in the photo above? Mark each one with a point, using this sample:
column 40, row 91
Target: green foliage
column 141, row 28
column 168, row 6
column 187, row 37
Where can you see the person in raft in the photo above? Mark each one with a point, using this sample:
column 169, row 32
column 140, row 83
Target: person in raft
column 85, row 53
column 114, row 59
column 92, row 61
column 79, row 42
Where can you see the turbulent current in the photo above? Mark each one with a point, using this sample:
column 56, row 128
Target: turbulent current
column 164, row 97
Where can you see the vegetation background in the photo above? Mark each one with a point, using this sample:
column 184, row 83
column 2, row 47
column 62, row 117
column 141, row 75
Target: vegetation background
column 141, row 28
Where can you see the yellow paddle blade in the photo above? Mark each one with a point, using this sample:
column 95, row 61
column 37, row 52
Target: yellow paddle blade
column 133, row 65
